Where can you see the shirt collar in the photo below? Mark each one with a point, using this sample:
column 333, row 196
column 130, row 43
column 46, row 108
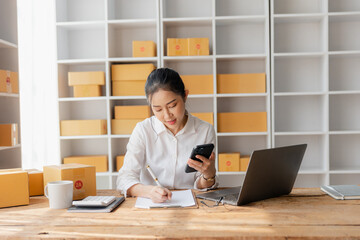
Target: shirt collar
column 189, row 127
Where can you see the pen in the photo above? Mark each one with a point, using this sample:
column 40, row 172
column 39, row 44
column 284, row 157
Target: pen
column 153, row 175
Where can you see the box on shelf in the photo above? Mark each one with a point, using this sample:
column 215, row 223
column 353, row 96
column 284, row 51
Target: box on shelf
column 86, row 78
column 83, row 176
column 128, row 88
column 242, row 122
column 14, row 187
column 100, row 162
column 241, row 83
column 36, row 182
column 83, row 127
column 143, row 49
column 9, row 82
column 87, row 91
column 119, row 162
column 198, row 46
column 198, row 84
column 244, row 163
column 9, row 135
column 132, row 112
column 126, row 72
column 177, row 47
column 123, row 126
column 229, row 162
column 207, row 117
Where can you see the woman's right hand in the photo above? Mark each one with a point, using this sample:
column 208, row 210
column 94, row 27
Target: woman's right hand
column 160, row 194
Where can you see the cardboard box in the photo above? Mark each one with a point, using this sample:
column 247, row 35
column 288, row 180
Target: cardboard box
column 198, row 46
column 242, row 122
column 132, row 112
column 229, row 162
column 198, row 84
column 177, row 47
column 126, row 72
column 100, row 162
column 9, row 82
column 87, row 91
column 123, row 126
column 119, row 162
column 86, row 78
column 83, row 127
column 207, row 117
column 244, row 163
column 83, row 176
column 9, row 135
column 36, row 182
column 128, row 88
column 14, row 188
column 241, row 83
column 143, row 49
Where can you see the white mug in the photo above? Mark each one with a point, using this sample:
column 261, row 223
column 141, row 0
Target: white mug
column 59, row 193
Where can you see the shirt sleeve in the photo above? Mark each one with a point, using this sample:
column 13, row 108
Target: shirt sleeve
column 129, row 174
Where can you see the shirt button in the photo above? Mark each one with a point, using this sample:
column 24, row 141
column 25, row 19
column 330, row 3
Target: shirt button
column 174, row 139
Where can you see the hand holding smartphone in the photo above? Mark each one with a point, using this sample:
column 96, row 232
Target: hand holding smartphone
column 203, row 150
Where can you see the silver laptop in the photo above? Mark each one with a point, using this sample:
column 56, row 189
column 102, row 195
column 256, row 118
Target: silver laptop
column 271, row 173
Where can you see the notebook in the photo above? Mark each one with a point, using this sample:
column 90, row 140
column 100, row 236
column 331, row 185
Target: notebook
column 108, row 208
column 342, row 192
column 271, row 173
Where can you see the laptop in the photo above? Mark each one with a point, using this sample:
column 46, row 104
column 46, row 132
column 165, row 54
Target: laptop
column 271, row 173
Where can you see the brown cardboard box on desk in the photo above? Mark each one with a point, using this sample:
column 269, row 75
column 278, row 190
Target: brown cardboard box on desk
column 198, row 46
column 229, row 162
column 177, row 47
column 198, row 84
column 86, row 84
column 9, row 82
column 99, row 161
column 83, row 127
column 241, row 83
column 83, row 176
column 9, row 135
column 14, row 187
column 143, row 49
column 242, row 122
column 36, row 182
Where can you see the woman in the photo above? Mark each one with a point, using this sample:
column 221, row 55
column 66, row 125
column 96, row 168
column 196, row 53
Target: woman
column 164, row 142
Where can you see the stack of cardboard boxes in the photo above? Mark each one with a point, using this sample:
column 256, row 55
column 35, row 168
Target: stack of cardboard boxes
column 126, row 118
column 233, row 162
column 187, row 46
column 86, row 84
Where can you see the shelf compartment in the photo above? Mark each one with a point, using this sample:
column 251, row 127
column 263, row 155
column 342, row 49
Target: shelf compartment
column 10, row 110
column 299, row 34
column 8, row 21
column 121, row 36
column 310, row 180
column 240, row 7
column 298, row 6
column 135, row 9
column 77, row 147
column 191, row 66
column 344, row 34
column 103, row 182
column 344, row 5
column 118, row 147
column 343, row 72
column 186, row 8
column 241, row 36
column 299, row 113
column 197, row 105
column 243, row 144
column 244, row 65
column 299, row 74
column 344, row 112
column 125, row 102
column 9, row 59
column 315, row 155
column 11, row 158
column 80, row 10
column 230, row 180
column 81, row 42
column 343, row 179
column 83, row 110
column 242, row 104
column 344, row 150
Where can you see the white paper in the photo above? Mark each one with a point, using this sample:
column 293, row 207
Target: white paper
column 183, row 198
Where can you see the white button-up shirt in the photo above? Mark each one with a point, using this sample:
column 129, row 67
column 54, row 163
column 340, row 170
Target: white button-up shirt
column 151, row 143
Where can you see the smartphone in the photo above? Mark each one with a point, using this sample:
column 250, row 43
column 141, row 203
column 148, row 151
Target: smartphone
column 203, row 150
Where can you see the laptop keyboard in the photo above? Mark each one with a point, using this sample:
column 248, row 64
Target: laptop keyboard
column 231, row 198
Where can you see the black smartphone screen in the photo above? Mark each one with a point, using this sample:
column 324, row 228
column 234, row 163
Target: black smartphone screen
column 203, row 150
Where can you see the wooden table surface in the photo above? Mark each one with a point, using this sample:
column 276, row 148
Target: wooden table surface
column 305, row 213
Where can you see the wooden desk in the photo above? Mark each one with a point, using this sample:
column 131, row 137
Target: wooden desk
column 306, row 213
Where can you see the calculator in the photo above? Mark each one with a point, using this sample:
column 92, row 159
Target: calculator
column 95, row 201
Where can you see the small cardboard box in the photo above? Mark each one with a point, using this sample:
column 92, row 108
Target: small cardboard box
column 83, row 127
column 86, row 78
column 9, row 82
column 244, row 163
column 123, row 126
column 242, row 122
column 100, row 162
column 36, row 182
column 143, row 49
column 126, row 72
column 241, row 83
column 83, row 176
column 87, row 91
column 207, row 117
column 9, row 135
column 119, row 162
column 14, row 188
column 128, row 88
column 132, row 112
column 229, row 162
column 198, row 46
column 198, row 84
column 177, row 47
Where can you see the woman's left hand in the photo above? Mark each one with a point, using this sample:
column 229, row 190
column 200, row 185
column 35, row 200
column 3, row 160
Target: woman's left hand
column 206, row 167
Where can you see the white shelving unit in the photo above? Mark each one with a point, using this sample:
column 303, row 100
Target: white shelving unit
column 10, row 157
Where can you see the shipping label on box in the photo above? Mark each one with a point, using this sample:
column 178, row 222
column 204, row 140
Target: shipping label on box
column 100, row 162
column 119, row 162
column 143, row 49
column 83, row 176
column 126, row 72
column 207, row 117
column 9, row 135
column 87, row 91
column 244, row 163
column 198, row 46
column 36, row 182
column 132, row 112
column 242, row 122
column 14, row 188
column 198, row 84
column 241, row 83
column 86, row 78
column 9, row 82
column 123, row 126
column 229, row 162
column 177, row 47
column 128, row 88
column 83, row 127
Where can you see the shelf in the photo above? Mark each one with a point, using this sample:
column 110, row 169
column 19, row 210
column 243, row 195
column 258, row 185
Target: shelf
column 343, row 6
column 75, row 99
column 236, row 134
column 240, row 7
column 80, row 10
column 120, row 136
column 223, row 95
column 86, row 137
column 8, row 148
column 6, row 44
column 134, row 59
column 240, row 56
column 186, row 8
column 289, row 94
column 344, row 132
column 230, row 173
column 298, row 6
column 303, row 133
column 10, row 95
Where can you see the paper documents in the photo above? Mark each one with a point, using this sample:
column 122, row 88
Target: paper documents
column 183, row 198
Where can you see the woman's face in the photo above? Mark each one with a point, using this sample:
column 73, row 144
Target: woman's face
column 169, row 108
